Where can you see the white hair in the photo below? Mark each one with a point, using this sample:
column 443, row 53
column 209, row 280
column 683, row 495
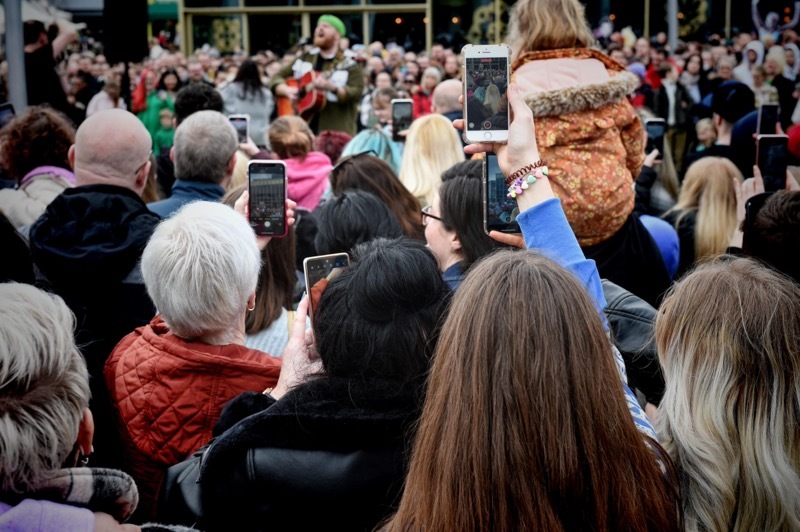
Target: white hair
column 200, row 267
column 44, row 386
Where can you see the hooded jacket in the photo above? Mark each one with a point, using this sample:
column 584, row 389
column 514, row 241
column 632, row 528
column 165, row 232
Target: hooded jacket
column 587, row 133
column 168, row 394
column 308, row 178
column 87, row 245
column 742, row 72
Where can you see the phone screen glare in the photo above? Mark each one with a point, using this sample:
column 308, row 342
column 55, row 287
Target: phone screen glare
column 486, row 83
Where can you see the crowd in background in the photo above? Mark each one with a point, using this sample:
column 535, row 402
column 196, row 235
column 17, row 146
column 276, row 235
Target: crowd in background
column 637, row 368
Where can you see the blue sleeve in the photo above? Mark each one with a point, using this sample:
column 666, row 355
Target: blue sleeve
column 546, row 230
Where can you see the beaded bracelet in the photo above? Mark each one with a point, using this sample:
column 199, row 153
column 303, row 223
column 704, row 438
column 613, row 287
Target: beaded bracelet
column 522, row 171
column 520, row 184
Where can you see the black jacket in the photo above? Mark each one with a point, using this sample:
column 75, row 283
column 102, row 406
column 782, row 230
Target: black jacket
column 683, row 106
column 632, row 322
column 332, row 454
column 87, row 246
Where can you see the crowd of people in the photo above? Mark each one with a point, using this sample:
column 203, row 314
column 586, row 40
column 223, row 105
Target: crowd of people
column 629, row 361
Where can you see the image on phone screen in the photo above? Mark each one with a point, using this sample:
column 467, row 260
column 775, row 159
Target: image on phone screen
column 402, row 116
column 486, row 82
column 268, row 198
column 501, row 211
column 240, row 125
column 767, row 118
column 773, row 157
column 321, row 270
column 655, row 136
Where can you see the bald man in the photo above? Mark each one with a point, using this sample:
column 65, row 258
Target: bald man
column 87, row 246
column 445, row 99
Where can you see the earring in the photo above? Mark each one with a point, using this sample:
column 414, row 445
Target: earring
column 251, row 309
column 83, row 460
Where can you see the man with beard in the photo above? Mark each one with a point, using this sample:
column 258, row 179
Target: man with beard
column 339, row 79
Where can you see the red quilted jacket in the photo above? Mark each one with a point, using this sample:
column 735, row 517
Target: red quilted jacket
column 169, row 393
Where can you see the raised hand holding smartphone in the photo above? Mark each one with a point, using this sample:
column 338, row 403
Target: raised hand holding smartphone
column 486, row 79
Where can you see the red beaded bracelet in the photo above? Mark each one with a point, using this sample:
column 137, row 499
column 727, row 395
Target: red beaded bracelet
column 522, row 171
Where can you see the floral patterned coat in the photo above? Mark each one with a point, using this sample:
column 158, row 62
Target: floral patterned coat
column 588, row 134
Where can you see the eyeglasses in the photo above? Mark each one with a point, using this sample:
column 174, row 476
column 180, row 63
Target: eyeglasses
column 351, row 158
column 426, row 213
column 139, row 169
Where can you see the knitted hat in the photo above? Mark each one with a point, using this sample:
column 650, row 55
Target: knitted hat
column 336, row 22
column 638, row 69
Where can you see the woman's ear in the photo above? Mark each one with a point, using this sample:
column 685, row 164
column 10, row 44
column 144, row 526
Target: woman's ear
column 455, row 243
column 86, row 433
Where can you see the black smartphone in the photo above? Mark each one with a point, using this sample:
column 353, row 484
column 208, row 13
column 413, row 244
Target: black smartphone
column 6, row 113
column 772, row 156
column 767, row 118
column 241, row 123
column 499, row 211
column 267, row 185
column 655, row 127
column 402, row 116
column 319, row 268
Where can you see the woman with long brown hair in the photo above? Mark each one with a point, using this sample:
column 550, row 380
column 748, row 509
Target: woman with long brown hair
column 365, row 171
column 526, row 424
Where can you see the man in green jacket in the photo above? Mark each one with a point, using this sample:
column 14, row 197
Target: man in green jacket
column 341, row 80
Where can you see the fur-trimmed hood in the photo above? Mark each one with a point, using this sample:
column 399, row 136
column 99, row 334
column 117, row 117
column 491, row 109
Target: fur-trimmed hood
column 557, row 82
column 581, row 97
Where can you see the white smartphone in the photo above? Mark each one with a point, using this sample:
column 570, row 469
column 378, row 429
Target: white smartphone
column 241, row 123
column 402, row 116
column 486, row 77
column 319, row 268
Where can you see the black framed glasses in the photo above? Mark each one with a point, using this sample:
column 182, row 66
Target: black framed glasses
column 426, row 213
column 345, row 160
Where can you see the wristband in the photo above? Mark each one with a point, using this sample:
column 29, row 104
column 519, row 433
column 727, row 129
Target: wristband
column 523, row 171
column 520, row 184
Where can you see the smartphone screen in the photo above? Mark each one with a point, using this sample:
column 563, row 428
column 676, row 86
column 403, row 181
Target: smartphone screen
column 6, row 113
column 267, row 181
column 499, row 211
column 485, row 101
column 767, row 118
column 402, row 116
column 655, row 128
column 773, row 157
column 321, row 270
column 240, row 124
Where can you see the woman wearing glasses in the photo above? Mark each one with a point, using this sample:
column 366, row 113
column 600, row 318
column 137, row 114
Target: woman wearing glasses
column 452, row 230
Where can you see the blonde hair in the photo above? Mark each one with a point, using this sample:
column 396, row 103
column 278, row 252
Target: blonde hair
column 708, row 191
column 239, row 176
column 491, row 100
column 547, row 25
column 728, row 341
column 432, row 146
column 290, row 137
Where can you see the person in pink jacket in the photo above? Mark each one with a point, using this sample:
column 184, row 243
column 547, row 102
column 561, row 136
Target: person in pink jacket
column 307, row 171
